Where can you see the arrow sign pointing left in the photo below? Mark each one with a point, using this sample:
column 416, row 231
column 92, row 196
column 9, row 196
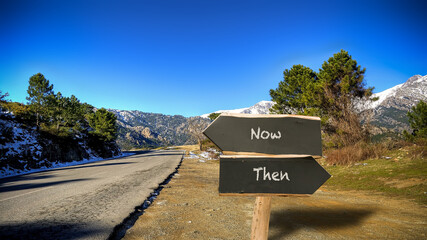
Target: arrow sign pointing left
column 266, row 133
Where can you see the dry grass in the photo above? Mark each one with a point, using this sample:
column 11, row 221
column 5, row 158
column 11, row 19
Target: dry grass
column 355, row 153
column 362, row 151
column 188, row 148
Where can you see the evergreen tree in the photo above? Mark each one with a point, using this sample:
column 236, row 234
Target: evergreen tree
column 39, row 91
column 343, row 85
column 56, row 105
column 103, row 124
column 330, row 94
column 298, row 92
column 67, row 113
column 72, row 112
column 213, row 116
column 3, row 96
column 3, row 100
column 418, row 121
column 342, row 81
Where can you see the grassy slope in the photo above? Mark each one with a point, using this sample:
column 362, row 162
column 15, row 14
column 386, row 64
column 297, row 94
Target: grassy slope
column 404, row 174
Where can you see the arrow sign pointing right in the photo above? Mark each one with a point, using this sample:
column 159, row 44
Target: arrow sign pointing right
column 274, row 175
column 266, row 133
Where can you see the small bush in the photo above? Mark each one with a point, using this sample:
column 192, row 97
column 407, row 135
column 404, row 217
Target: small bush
column 22, row 112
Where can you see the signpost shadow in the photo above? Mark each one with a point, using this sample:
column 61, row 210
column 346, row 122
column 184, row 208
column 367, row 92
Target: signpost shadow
column 283, row 223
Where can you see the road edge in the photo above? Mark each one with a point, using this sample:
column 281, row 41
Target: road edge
column 119, row 231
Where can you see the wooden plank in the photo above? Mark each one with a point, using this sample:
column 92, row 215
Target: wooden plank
column 229, row 154
column 269, row 116
column 261, row 218
column 265, row 175
column 262, row 195
column 266, row 134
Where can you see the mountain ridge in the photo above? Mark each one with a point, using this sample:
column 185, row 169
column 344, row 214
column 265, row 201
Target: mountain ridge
column 137, row 129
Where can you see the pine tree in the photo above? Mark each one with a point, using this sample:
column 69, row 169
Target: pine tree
column 103, row 124
column 3, row 100
column 342, row 80
column 418, row 121
column 297, row 93
column 38, row 91
column 3, row 96
column 213, row 116
column 330, row 94
column 56, row 105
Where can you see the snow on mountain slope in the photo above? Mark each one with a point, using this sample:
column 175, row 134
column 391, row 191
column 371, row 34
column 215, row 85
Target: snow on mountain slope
column 390, row 111
column 413, row 90
column 262, row 107
column 384, row 95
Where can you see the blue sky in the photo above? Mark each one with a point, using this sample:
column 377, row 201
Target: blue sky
column 194, row 57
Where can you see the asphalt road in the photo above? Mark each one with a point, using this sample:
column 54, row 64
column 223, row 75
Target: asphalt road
column 81, row 202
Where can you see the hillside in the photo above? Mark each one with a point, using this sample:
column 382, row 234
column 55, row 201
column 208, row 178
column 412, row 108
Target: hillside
column 24, row 149
column 146, row 130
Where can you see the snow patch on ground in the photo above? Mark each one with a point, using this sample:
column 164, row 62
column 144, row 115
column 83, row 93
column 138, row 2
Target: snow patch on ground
column 210, row 154
column 22, row 139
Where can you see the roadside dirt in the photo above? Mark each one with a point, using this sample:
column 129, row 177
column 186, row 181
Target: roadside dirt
column 189, row 207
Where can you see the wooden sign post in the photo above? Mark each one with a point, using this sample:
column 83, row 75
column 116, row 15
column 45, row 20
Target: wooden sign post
column 267, row 155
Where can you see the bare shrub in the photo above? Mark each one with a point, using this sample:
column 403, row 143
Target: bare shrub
column 195, row 129
column 354, row 153
column 343, row 127
column 419, row 150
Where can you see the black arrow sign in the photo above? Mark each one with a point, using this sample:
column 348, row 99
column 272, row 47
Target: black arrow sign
column 244, row 174
column 263, row 133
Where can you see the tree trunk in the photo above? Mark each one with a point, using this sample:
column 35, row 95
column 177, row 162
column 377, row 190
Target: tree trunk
column 200, row 144
column 37, row 121
column 57, row 128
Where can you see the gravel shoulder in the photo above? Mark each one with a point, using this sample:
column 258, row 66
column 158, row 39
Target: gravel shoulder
column 189, row 207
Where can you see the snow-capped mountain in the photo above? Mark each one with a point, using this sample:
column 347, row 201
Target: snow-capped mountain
column 262, row 107
column 388, row 111
column 410, row 92
column 393, row 104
